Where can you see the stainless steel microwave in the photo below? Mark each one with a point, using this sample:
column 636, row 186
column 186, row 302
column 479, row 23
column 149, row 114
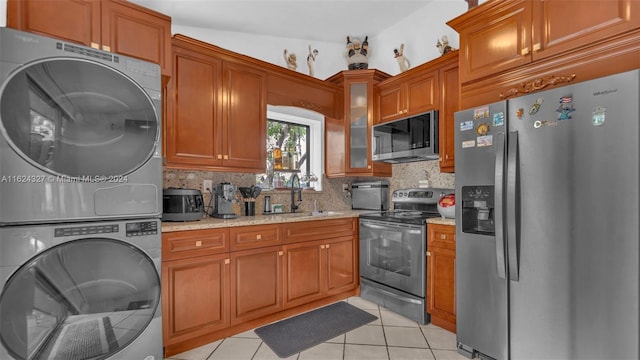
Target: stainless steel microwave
column 405, row 140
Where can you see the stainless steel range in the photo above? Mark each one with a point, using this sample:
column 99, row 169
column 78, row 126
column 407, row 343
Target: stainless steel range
column 393, row 247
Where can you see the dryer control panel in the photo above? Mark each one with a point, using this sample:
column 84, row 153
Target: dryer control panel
column 142, row 228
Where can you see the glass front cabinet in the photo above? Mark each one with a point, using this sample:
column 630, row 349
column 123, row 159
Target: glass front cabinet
column 356, row 124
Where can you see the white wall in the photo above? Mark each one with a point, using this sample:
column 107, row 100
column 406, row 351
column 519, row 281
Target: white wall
column 270, row 48
column 419, row 32
column 3, row 12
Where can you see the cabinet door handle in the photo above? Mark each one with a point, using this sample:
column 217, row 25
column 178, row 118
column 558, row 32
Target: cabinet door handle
column 227, row 261
column 428, row 253
column 106, row 48
column 524, row 51
column 321, row 247
column 259, row 237
column 226, row 157
column 537, row 47
column 327, row 246
column 95, row 45
column 280, row 253
column 443, row 236
column 198, row 243
column 219, row 156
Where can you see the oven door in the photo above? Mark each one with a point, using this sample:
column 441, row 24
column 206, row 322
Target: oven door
column 393, row 254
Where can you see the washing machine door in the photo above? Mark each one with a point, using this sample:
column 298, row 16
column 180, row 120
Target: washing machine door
column 76, row 117
column 83, row 299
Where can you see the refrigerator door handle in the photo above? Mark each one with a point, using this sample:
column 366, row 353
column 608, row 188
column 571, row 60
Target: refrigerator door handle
column 512, row 202
column 499, row 206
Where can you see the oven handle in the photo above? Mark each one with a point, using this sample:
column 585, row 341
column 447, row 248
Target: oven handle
column 387, row 226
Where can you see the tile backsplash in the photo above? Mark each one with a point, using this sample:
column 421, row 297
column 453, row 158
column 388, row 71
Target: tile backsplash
column 332, row 197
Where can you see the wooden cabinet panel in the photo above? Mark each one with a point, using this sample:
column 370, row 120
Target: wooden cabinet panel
column 496, row 41
column 556, row 33
column 304, row 276
column 185, row 244
column 218, row 120
column 195, row 296
column 390, row 105
column 193, row 135
column 245, row 119
column 502, row 35
column 256, row 281
column 251, row 237
column 422, row 93
column 111, row 25
column 356, row 132
column 441, row 283
column 342, row 267
column 319, row 229
column 449, row 104
column 410, row 94
column 71, row 20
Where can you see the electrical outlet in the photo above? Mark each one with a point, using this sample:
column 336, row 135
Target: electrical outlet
column 345, row 187
column 207, row 186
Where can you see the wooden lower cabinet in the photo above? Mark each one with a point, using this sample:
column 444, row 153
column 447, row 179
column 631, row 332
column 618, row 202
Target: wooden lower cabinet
column 195, row 295
column 317, row 269
column 224, row 281
column 256, row 283
column 441, row 276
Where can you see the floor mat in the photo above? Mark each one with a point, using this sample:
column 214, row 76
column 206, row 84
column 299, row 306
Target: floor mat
column 293, row 335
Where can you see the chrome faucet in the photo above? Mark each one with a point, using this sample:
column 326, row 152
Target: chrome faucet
column 295, row 207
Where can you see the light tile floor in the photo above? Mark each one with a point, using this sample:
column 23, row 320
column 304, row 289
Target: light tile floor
column 391, row 337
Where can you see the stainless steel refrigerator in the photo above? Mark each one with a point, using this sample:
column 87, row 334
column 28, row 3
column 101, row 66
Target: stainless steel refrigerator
column 547, row 223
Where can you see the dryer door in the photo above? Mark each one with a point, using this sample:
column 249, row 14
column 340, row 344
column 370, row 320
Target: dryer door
column 78, row 118
column 83, row 299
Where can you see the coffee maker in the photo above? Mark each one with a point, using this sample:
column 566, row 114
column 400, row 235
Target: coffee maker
column 223, row 198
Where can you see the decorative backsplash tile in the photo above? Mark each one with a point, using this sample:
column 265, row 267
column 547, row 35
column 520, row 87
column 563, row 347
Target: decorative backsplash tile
column 332, row 197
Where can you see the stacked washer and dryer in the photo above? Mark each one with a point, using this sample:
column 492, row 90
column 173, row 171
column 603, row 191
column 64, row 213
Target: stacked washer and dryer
column 80, row 202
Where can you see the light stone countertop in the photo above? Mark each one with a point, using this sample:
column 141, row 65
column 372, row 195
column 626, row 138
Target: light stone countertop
column 441, row 221
column 210, row 222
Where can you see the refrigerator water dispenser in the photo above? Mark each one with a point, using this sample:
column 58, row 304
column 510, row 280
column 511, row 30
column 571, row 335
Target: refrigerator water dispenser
column 478, row 210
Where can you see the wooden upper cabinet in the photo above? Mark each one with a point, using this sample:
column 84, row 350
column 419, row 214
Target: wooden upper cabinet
column 193, row 136
column 495, row 40
column 217, row 110
column 111, row 25
column 138, row 32
column 449, row 103
column 356, row 132
column 563, row 25
column 501, row 35
column 407, row 96
column 245, row 117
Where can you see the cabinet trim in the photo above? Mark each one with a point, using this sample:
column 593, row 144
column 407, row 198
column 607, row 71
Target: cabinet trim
column 537, row 84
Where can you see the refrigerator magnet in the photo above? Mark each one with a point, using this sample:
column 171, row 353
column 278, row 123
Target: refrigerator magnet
column 486, row 140
column 498, row 119
column 566, row 108
column 482, row 129
column 538, row 124
column 536, row 106
column 598, row 115
column 468, row 144
column 466, row 125
column 520, row 113
column 481, row 113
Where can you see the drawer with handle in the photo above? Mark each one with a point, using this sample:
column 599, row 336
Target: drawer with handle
column 191, row 243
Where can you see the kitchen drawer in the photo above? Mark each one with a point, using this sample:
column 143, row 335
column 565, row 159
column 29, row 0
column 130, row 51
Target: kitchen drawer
column 442, row 236
column 255, row 236
column 191, row 243
column 319, row 229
